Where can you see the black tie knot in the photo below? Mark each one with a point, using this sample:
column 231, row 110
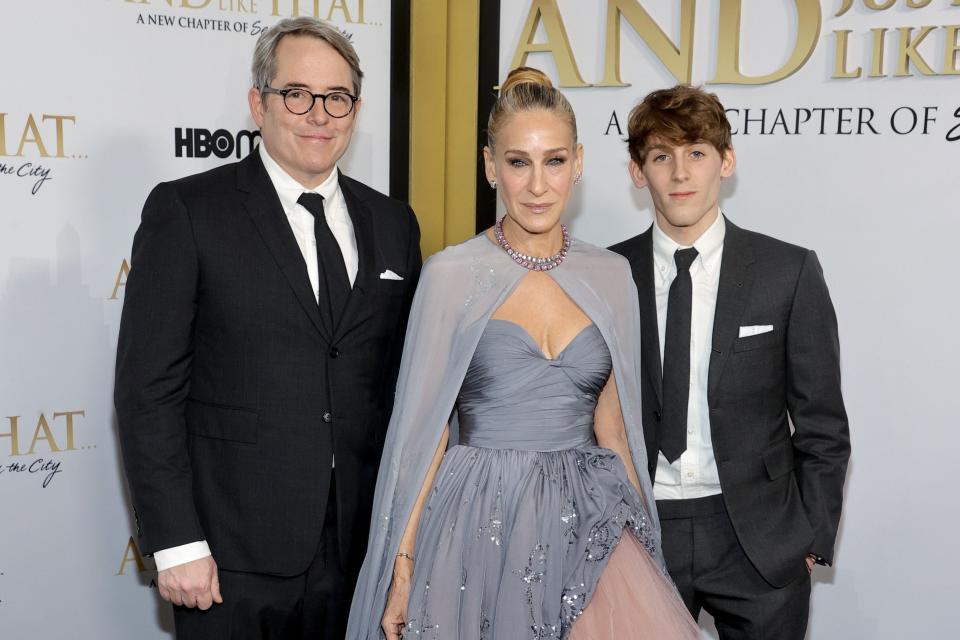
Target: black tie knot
column 312, row 202
column 683, row 257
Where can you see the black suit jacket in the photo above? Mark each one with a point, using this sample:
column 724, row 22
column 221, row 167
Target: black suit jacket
column 783, row 490
column 234, row 391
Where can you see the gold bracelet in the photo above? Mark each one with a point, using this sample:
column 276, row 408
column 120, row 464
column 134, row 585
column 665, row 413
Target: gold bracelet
column 403, row 554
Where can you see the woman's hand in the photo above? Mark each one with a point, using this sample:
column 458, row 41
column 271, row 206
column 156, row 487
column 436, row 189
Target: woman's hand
column 395, row 614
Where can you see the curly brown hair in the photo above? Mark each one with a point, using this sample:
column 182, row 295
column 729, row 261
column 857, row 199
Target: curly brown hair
column 680, row 115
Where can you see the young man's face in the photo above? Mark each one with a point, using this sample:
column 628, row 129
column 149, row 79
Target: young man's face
column 684, row 182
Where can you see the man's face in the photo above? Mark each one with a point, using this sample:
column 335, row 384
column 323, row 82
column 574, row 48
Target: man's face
column 306, row 146
column 684, row 182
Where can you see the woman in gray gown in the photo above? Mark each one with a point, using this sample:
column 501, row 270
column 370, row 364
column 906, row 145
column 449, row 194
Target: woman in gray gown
column 512, row 500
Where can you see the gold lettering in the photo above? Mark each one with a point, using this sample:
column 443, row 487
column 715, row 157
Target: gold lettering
column 908, row 53
column 131, row 553
column 12, row 434
column 918, row 4
column 47, row 435
column 950, row 49
column 295, row 8
column 59, row 120
column 677, row 60
column 276, row 8
column 847, row 4
column 122, row 276
column 878, row 6
column 840, row 62
column 69, row 416
column 336, row 4
column 728, row 45
column 547, row 12
column 31, row 128
column 3, row 134
column 876, row 56
column 360, row 18
column 186, row 4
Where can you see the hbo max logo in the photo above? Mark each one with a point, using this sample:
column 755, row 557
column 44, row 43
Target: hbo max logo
column 201, row 143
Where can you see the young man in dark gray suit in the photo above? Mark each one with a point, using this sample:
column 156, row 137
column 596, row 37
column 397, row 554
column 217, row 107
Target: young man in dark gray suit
column 739, row 342
column 257, row 358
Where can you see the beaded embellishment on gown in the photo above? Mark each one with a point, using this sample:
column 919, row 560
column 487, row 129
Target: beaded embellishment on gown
column 526, row 511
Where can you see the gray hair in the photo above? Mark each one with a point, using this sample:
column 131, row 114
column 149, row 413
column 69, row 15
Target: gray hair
column 265, row 53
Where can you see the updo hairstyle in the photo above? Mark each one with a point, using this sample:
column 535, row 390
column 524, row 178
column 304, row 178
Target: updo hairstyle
column 528, row 89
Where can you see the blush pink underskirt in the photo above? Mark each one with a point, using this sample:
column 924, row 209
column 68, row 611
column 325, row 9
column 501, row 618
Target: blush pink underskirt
column 633, row 600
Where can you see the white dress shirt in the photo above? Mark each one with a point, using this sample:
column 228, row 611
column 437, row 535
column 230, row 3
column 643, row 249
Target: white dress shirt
column 694, row 473
column 301, row 222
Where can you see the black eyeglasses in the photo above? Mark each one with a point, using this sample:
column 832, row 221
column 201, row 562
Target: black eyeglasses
column 298, row 101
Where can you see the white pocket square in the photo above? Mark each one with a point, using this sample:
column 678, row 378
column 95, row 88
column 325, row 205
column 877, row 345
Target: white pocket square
column 390, row 275
column 755, row 330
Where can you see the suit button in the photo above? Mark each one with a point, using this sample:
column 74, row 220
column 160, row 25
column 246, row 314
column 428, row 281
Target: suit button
column 658, row 416
column 334, row 352
column 327, row 417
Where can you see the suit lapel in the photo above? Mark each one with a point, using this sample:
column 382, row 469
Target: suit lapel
column 733, row 292
column 641, row 261
column 362, row 220
column 266, row 212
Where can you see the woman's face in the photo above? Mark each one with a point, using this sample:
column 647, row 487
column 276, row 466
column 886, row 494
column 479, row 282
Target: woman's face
column 535, row 163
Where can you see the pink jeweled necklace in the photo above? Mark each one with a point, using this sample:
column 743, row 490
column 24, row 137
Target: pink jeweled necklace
column 533, row 263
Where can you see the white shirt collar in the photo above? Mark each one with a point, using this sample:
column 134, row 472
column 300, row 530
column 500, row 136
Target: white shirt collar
column 289, row 189
column 709, row 247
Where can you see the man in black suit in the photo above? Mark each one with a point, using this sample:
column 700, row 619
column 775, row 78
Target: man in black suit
column 739, row 341
column 257, row 358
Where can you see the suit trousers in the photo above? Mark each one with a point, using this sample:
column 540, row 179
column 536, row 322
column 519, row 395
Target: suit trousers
column 712, row 572
column 255, row 606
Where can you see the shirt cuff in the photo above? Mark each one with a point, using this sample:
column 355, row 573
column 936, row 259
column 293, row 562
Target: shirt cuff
column 819, row 560
column 174, row 556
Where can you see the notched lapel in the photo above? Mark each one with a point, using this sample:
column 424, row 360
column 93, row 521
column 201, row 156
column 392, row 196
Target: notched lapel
column 266, row 212
column 733, row 292
column 641, row 262
column 362, row 219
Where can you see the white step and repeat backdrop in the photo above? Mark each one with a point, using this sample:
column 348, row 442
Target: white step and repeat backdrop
column 847, row 123
column 100, row 101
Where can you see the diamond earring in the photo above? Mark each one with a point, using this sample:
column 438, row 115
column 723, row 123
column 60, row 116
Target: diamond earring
column 493, row 184
column 576, row 178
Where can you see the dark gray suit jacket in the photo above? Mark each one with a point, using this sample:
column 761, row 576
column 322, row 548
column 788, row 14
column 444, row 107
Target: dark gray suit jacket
column 783, row 488
column 235, row 391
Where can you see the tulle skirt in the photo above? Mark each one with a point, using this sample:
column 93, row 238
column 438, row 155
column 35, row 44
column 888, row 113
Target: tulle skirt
column 632, row 600
column 529, row 545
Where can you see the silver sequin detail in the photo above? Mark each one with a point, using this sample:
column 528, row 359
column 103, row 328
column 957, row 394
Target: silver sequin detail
column 483, row 280
column 494, row 526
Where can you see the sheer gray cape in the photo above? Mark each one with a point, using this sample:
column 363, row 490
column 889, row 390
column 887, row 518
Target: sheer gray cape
column 459, row 290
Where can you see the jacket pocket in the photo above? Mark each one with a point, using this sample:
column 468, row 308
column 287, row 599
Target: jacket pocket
column 221, row 422
column 390, row 287
column 760, row 341
column 778, row 459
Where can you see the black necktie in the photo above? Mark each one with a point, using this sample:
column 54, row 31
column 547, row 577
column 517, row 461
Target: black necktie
column 332, row 269
column 676, row 358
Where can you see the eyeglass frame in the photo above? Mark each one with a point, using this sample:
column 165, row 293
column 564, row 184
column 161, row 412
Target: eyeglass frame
column 323, row 99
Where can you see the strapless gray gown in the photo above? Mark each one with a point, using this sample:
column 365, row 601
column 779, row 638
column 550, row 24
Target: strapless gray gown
column 526, row 510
